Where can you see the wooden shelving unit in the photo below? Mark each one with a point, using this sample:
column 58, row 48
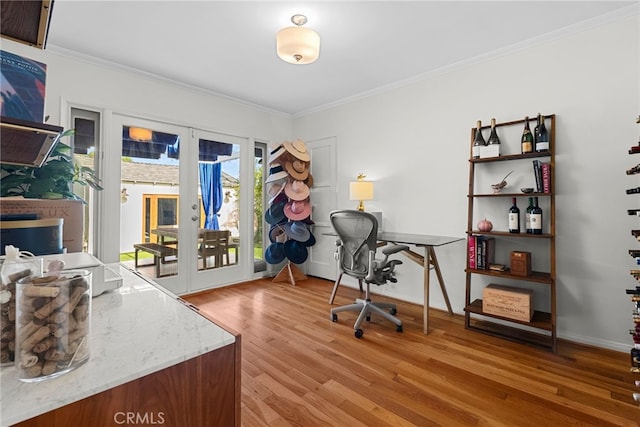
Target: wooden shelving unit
column 541, row 330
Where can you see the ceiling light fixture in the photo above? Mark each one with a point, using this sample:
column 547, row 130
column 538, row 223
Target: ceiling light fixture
column 298, row 45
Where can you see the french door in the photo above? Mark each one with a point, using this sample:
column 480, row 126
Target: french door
column 175, row 188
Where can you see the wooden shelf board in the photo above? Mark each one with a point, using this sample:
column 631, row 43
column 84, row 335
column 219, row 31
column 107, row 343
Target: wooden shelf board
column 507, row 234
column 535, row 276
column 511, row 157
column 541, row 319
column 513, row 334
column 534, row 194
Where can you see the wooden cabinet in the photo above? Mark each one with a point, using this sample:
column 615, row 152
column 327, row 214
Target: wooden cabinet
column 203, row 391
column 155, row 359
column 541, row 329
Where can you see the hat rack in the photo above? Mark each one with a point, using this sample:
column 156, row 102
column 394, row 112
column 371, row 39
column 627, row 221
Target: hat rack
column 289, row 212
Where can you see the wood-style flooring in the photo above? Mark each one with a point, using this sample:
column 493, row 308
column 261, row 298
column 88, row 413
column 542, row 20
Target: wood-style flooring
column 301, row 369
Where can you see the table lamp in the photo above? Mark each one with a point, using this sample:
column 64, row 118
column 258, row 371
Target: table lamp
column 361, row 190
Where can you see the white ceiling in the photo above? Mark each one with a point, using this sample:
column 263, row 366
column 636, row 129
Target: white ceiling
column 229, row 47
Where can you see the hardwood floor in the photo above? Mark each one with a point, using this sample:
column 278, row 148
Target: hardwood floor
column 301, row 369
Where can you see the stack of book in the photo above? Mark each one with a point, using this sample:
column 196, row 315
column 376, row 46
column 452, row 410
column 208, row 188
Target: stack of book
column 542, row 173
column 481, row 251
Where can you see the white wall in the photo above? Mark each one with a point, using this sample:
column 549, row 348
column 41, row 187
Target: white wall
column 86, row 83
column 72, row 82
column 414, row 142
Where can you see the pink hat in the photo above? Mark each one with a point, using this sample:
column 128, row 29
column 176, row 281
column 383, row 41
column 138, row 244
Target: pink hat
column 297, row 210
column 297, row 190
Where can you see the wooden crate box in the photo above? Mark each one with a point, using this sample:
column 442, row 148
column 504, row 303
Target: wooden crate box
column 506, row 301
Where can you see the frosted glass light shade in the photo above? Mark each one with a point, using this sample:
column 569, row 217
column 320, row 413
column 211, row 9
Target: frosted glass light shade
column 298, row 45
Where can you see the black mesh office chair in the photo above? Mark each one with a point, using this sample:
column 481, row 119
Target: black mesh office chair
column 356, row 252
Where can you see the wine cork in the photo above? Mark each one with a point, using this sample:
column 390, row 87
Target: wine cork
column 41, row 291
column 28, row 359
column 54, row 315
column 19, row 275
column 40, row 334
column 49, row 367
column 33, row 371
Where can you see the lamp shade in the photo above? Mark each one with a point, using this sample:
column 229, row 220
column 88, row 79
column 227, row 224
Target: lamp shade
column 298, row 45
column 140, row 134
column 361, row 190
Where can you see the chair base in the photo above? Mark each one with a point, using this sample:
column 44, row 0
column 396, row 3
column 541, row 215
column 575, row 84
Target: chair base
column 366, row 307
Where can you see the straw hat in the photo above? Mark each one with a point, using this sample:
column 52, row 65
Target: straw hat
column 275, row 189
column 309, row 181
column 276, row 173
column 297, row 190
column 276, row 154
column 297, row 149
column 297, row 169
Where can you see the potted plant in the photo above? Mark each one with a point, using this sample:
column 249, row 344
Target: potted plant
column 53, row 180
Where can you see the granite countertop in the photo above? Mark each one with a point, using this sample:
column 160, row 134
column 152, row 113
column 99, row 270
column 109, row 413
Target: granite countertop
column 136, row 330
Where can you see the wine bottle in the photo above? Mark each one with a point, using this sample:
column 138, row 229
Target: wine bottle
column 494, row 140
column 478, row 142
column 526, row 144
column 542, row 137
column 514, row 217
column 527, row 217
column 633, row 170
column 536, row 218
column 633, row 190
column 535, row 131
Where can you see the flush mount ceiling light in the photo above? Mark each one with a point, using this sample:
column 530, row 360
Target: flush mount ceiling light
column 298, row 45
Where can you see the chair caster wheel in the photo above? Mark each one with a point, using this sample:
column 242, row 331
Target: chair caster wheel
column 334, row 317
column 358, row 333
column 399, row 328
column 368, row 318
column 393, row 312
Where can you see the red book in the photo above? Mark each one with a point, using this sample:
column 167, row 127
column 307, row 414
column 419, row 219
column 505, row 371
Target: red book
column 472, row 252
column 546, row 177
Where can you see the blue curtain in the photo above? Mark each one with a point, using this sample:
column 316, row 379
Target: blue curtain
column 211, row 188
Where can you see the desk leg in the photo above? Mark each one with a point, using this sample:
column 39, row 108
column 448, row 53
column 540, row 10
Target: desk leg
column 429, row 260
column 436, row 267
column 426, row 266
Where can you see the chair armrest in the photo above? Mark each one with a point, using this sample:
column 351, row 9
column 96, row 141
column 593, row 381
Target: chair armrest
column 388, row 250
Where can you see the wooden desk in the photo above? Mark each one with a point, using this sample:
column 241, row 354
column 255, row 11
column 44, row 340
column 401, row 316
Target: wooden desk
column 429, row 259
column 429, row 243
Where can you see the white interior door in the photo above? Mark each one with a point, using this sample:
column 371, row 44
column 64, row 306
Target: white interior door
column 321, row 262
